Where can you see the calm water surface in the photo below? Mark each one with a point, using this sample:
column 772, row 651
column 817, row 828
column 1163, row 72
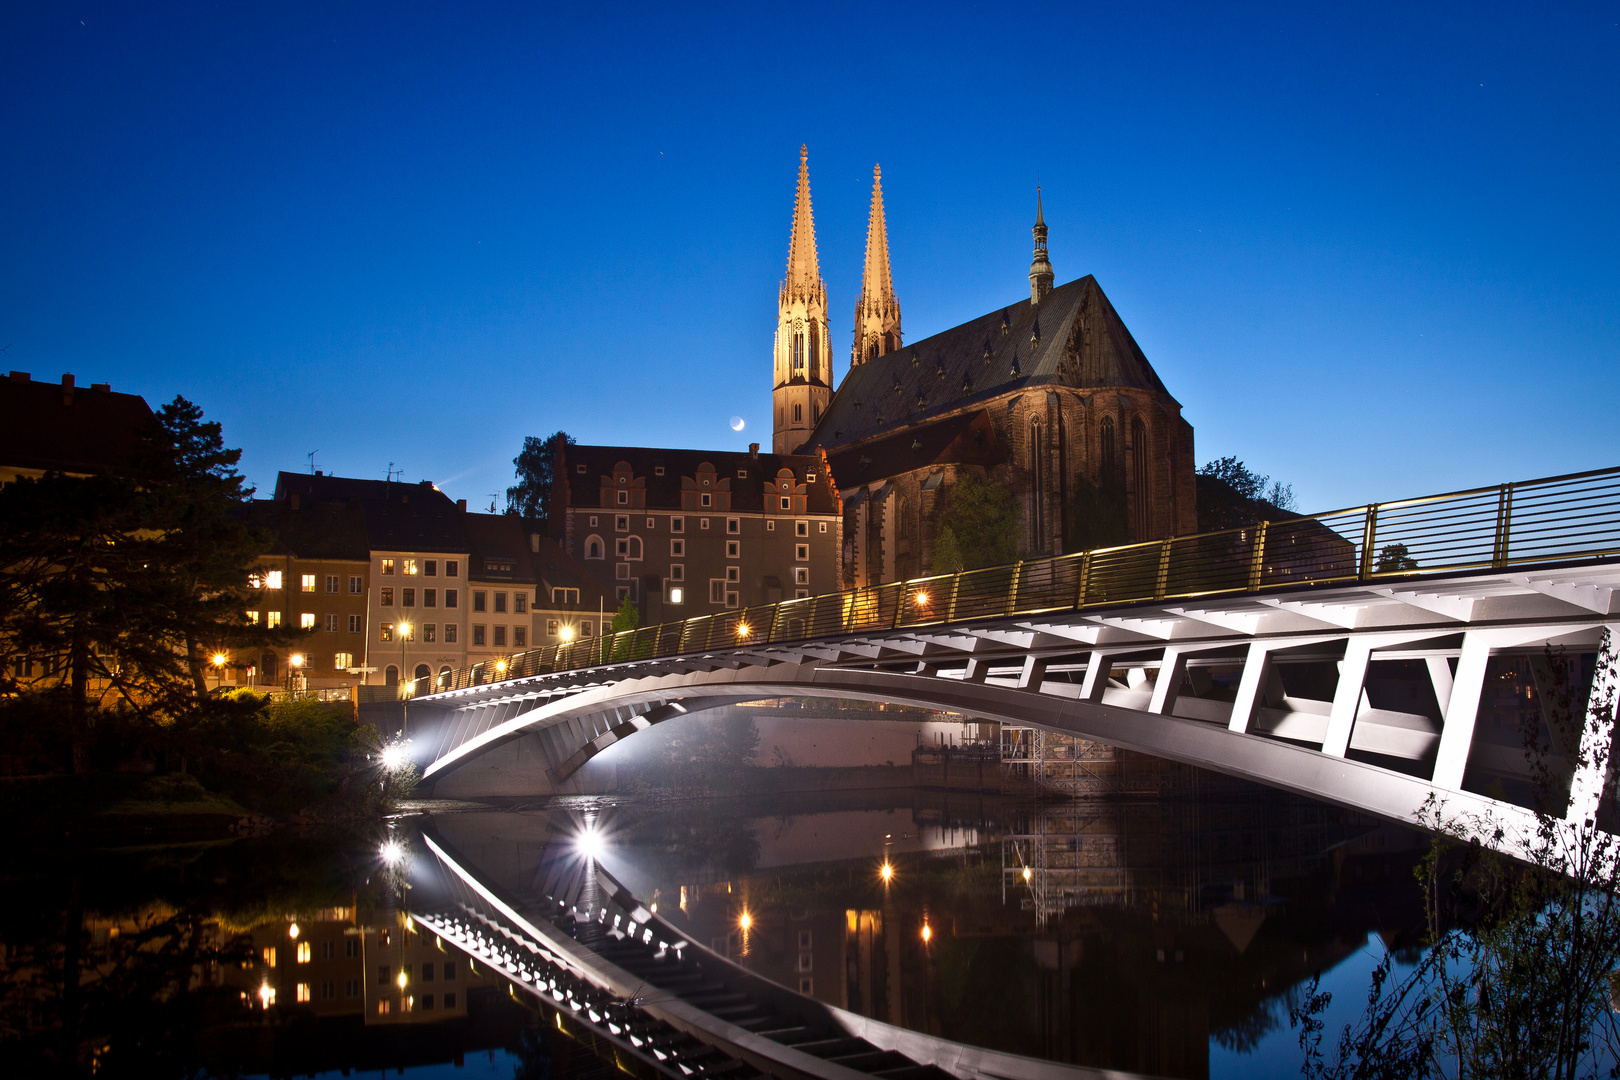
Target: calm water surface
column 1162, row 937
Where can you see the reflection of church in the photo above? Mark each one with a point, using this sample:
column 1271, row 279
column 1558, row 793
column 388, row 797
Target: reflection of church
column 1049, row 396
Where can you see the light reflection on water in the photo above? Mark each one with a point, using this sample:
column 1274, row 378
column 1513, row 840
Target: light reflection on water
column 1160, row 937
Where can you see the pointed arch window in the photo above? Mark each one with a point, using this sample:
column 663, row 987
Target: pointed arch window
column 872, row 348
column 813, row 359
column 1110, row 461
column 888, row 344
column 1037, row 483
column 798, row 353
column 1142, row 479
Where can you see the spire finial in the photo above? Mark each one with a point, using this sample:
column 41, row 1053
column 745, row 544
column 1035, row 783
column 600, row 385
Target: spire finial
column 877, row 312
column 803, row 269
column 1040, row 267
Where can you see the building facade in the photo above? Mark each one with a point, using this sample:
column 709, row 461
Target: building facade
column 1050, row 397
column 683, row 533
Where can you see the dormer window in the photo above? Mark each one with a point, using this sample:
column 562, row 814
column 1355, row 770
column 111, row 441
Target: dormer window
column 580, row 469
column 809, row 477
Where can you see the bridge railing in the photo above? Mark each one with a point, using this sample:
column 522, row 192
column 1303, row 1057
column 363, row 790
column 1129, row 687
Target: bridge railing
column 1533, row 521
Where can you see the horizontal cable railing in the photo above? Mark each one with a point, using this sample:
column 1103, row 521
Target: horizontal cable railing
column 1558, row 518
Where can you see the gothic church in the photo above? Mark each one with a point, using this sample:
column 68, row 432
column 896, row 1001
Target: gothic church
column 1050, row 397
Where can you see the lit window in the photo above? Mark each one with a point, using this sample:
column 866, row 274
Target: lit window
column 388, row 566
column 331, row 583
column 269, row 956
column 409, row 566
column 553, row 626
column 272, row 580
column 306, row 620
column 388, row 631
column 272, row 619
column 801, row 552
column 354, row 624
column 305, row 955
column 343, row 661
column 384, row 1007
column 677, row 594
column 306, row 582
column 255, row 581
column 253, row 617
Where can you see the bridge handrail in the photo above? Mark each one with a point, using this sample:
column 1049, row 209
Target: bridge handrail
column 1554, row 518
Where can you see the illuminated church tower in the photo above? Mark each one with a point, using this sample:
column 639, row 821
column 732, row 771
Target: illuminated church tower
column 803, row 353
column 877, row 314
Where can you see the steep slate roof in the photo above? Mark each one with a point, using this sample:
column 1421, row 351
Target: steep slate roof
column 501, row 538
column 399, row 517
column 313, row 531
column 664, row 492
column 558, row 569
column 64, row 428
column 951, row 371
column 967, row 438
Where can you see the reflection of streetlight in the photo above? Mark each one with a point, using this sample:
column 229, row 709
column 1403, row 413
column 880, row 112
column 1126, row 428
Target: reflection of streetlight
column 745, row 922
column 927, row 933
column 1026, row 875
column 403, row 629
column 402, row 980
column 886, row 872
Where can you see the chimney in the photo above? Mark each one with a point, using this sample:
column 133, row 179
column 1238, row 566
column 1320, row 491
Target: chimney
column 534, row 543
column 461, row 504
column 105, row 388
column 753, row 449
column 67, row 389
column 20, row 376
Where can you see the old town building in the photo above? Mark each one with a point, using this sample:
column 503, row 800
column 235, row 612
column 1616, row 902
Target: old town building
column 1049, row 396
column 691, row 532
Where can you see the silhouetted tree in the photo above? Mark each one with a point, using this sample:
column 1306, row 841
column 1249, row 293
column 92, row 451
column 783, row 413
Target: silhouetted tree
column 530, row 497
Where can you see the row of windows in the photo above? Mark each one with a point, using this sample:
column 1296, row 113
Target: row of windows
column 273, row 579
column 407, row 597
column 426, row 567
column 631, row 548
column 429, row 631
column 307, row 621
column 385, row 973
column 621, row 523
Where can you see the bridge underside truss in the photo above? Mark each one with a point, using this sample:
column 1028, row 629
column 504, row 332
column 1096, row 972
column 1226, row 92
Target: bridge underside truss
column 1371, row 696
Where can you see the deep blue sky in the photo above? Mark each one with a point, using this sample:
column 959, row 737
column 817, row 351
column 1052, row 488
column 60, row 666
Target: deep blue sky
column 1371, row 249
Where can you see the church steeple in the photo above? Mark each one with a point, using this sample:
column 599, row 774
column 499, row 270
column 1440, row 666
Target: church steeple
column 1040, row 268
column 803, row 361
column 877, row 313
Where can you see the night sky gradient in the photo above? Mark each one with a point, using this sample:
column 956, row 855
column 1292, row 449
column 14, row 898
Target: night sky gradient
column 1372, row 249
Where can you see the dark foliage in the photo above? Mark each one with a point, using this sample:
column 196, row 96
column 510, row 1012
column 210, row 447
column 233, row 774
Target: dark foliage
column 530, row 497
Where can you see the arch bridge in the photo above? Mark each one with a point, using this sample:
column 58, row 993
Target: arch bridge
column 1374, row 657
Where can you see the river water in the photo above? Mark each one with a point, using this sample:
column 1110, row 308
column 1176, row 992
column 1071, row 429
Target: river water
column 1164, row 936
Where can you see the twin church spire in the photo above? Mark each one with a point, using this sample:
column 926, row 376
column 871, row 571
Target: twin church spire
column 803, row 362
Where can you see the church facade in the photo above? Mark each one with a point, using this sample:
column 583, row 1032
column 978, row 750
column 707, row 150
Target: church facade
column 1050, row 397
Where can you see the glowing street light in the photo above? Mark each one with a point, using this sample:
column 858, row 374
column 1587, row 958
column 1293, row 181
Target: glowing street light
column 566, row 633
column 743, row 630
column 402, row 980
column 921, row 599
column 745, row 922
column 927, row 933
column 1026, row 875
column 391, row 852
column 393, row 757
column 219, row 660
column 886, row 872
column 591, row 843
column 292, row 931
column 500, row 667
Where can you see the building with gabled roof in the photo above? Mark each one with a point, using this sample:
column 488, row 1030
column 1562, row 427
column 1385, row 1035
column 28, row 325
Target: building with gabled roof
column 1050, row 396
column 63, row 428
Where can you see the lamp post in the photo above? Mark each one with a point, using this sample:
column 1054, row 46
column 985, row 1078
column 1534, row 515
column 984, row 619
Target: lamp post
column 403, row 629
column 219, row 670
column 294, row 662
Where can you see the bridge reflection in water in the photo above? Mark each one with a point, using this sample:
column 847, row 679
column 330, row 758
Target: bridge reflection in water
column 1117, row 935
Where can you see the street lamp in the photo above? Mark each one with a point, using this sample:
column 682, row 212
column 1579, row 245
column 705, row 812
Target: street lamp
column 403, row 630
column 219, row 669
column 294, row 662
